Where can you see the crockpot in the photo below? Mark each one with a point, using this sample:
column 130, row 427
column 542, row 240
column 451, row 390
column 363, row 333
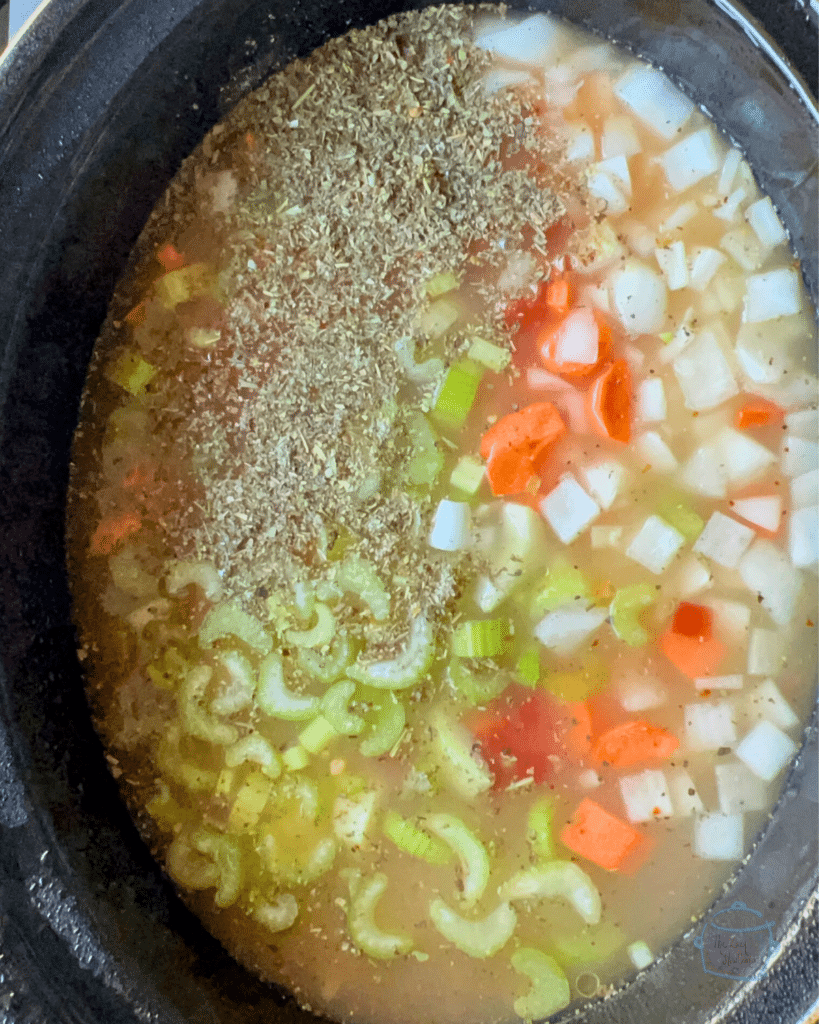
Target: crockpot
column 99, row 103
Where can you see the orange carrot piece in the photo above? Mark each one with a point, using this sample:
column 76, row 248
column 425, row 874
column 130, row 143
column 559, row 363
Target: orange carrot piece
column 635, row 742
column 508, row 471
column 170, row 257
column 689, row 641
column 758, row 412
column 512, row 445
column 608, row 402
column 559, row 294
column 580, row 328
column 599, row 836
column 112, row 531
column 136, row 315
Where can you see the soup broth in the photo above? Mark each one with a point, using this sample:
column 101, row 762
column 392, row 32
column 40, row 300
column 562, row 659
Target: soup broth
column 443, row 525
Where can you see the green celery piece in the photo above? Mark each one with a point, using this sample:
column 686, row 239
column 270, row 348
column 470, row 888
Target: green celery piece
column 457, row 394
column 196, row 718
column 625, row 610
column 560, row 585
column 327, row 666
column 679, row 514
column 574, row 685
column 131, row 372
column 471, row 852
column 407, row 668
column 365, row 933
column 427, row 460
column 556, row 880
column 541, row 815
column 549, row 991
column 415, row 841
column 385, row 728
column 180, row 285
column 230, row 620
column 468, row 475
column 440, row 284
column 589, row 944
column 357, row 576
column 528, row 667
column 452, row 748
column 493, row 357
column 316, row 735
column 480, row 638
column 479, row 684
column 225, row 853
column 335, row 708
column 275, row 699
column 295, row 758
column 482, row 938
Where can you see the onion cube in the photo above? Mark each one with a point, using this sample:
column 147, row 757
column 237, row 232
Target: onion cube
column 738, row 789
column 655, row 452
column 733, row 159
column 733, row 682
column 768, row 350
column 564, row 629
column 766, row 750
column 504, row 78
column 703, row 373
column 692, row 577
column 728, row 209
column 568, row 509
column 719, row 837
column 619, row 137
column 743, row 459
column 579, row 141
column 799, row 455
column 655, row 545
column 733, row 619
column 651, row 403
column 767, row 652
column 803, row 537
column 535, row 40
column 705, row 473
column 741, row 243
column 589, row 779
column 639, row 954
column 724, row 540
column 604, row 480
column 640, row 692
column 451, row 526
column 803, row 423
column 673, row 262
column 768, row 572
column 652, row 97
column 763, row 510
column 772, row 294
column 709, row 726
column 762, row 217
column 645, row 795
column 805, row 489
column 766, row 704
column 691, row 159
column 684, row 796
column 704, row 263
column 639, row 295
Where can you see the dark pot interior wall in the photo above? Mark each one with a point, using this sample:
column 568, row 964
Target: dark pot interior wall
column 89, row 136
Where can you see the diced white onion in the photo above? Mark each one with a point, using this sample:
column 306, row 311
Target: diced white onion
column 732, row 619
column 639, row 954
column 564, row 629
column 535, row 40
column 605, row 187
column 645, row 795
column 730, row 166
column 652, row 97
column 656, row 453
column 498, row 79
column 799, row 455
column 539, row 379
column 704, row 374
column 766, row 750
column 743, row 459
column 767, row 651
column 709, row 726
column 724, row 540
column 604, row 480
column 589, row 779
column 451, row 526
column 619, row 137
column 691, row 159
column 728, row 209
column 578, row 338
column 518, row 273
column 568, row 509
column 704, row 472
column 683, row 337
column 772, row 294
column 743, row 245
column 805, row 489
column 679, row 216
column 767, row 571
column 803, row 538
column 769, row 349
column 684, row 796
column 803, row 423
column 704, row 263
column 739, row 790
column 639, row 296
column 766, row 704
column 718, row 683
column 674, row 264
column 655, row 545
column 763, row 510
column 719, row 837
column 579, row 141
column 692, row 577
column 762, row 217
column 617, row 169
column 638, row 693
column 640, row 237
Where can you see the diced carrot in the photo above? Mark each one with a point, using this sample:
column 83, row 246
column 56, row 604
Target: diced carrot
column 581, row 333
column 559, row 294
column 608, row 402
column 758, row 412
column 170, row 257
column 633, row 743
column 509, row 471
column 689, row 641
column 512, row 445
column 136, row 315
column 599, row 836
column 112, row 531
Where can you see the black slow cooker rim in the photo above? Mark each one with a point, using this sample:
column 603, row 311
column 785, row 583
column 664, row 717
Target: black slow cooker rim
column 42, row 896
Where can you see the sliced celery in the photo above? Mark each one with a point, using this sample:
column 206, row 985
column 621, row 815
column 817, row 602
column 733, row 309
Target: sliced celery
column 562, row 584
column 590, row 944
column 438, row 317
column 479, row 684
column 683, row 518
column 519, row 548
column 482, row 938
column 541, row 815
column 256, row 749
column 480, row 638
column 230, row 620
column 317, row 735
column 320, row 634
column 305, row 870
column 385, row 727
column 457, row 394
column 468, row 475
column 335, row 708
column 407, row 668
column 427, row 460
column 625, row 609
column 183, row 284
column 440, row 284
column 493, row 357
column 202, row 574
column 275, row 699
column 236, row 691
column 249, row 802
column 556, row 879
column 295, row 758
column 188, row 866
column 129, row 576
column 353, row 817
column 355, row 576
column 549, row 991
column 225, row 853
column 528, row 666
column 168, row 670
column 278, row 915
column 365, row 933
column 471, row 852
column 327, row 666
column 131, row 372
column 415, row 841
column 196, row 719
column 463, row 772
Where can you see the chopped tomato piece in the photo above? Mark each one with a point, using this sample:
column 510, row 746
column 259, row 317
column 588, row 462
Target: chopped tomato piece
column 599, row 836
column 758, row 412
column 170, row 257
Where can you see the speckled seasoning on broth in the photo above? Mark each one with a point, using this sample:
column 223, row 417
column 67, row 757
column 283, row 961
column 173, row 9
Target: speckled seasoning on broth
column 443, row 525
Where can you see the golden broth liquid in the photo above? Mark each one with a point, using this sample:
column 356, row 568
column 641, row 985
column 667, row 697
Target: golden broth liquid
column 264, row 416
